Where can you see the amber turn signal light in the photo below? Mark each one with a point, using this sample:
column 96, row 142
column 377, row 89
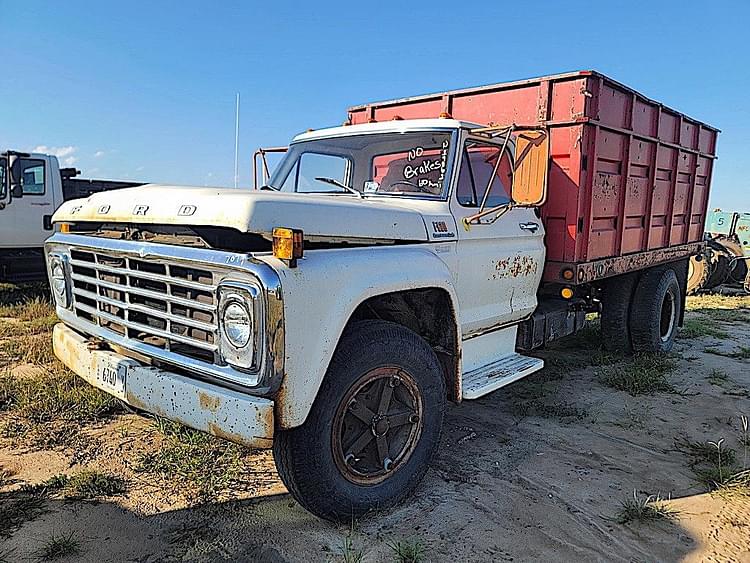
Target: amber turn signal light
column 288, row 245
column 566, row 293
column 65, row 227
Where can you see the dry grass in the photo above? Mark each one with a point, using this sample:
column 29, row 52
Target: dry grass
column 697, row 328
column 741, row 353
column 408, row 551
column 644, row 510
column 722, row 308
column 349, row 554
column 35, row 349
column 15, row 294
column 718, row 377
column 48, row 410
column 714, row 464
column 29, row 310
column 203, row 465
column 58, row 547
column 18, row 507
column 644, row 374
column 736, row 485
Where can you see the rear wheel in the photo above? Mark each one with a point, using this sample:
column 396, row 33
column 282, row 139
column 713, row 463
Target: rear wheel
column 373, row 429
column 617, row 294
column 655, row 311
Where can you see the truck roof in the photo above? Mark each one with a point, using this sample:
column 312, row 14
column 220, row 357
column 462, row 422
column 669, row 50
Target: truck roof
column 385, row 127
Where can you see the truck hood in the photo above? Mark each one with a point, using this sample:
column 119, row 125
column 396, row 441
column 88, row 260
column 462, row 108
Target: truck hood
column 338, row 216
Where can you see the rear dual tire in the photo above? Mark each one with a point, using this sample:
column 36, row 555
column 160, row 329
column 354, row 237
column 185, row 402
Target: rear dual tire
column 655, row 311
column 641, row 313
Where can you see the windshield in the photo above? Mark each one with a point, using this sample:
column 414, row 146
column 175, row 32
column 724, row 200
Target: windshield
column 414, row 163
column 3, row 166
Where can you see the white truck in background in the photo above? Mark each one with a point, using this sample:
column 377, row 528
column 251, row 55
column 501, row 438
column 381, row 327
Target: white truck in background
column 32, row 187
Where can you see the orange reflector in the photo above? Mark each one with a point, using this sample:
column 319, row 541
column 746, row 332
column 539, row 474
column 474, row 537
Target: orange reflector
column 567, row 274
column 287, row 244
column 566, row 292
column 445, row 115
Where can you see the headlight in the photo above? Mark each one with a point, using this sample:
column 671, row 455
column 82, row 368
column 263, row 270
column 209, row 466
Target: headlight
column 59, row 281
column 237, row 324
column 240, row 311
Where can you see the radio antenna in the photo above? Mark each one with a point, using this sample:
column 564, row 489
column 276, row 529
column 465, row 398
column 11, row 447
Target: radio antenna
column 236, row 140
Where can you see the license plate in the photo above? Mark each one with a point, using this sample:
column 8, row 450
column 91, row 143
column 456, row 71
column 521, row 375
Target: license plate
column 112, row 375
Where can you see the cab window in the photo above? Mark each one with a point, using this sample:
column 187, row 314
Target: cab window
column 32, row 176
column 479, row 166
column 317, row 172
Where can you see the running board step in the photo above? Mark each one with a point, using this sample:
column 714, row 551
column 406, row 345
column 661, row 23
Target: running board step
column 498, row 374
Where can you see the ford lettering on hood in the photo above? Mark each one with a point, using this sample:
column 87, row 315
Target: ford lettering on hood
column 318, row 215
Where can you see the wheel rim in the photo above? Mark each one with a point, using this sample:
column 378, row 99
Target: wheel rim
column 377, row 425
column 668, row 316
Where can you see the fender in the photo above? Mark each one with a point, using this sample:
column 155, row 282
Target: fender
column 320, row 296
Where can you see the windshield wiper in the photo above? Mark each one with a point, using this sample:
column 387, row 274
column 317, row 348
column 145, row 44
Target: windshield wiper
column 269, row 187
column 340, row 185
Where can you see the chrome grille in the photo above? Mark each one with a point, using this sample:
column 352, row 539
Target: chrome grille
column 168, row 305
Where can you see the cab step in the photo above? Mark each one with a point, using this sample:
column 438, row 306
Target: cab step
column 500, row 373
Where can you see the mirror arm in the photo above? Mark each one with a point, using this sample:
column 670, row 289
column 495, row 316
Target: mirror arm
column 477, row 217
column 494, row 170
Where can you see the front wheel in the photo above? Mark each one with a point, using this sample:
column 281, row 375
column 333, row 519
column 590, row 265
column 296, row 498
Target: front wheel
column 373, row 428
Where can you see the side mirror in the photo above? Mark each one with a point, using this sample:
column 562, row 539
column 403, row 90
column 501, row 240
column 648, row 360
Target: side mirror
column 14, row 176
column 530, row 174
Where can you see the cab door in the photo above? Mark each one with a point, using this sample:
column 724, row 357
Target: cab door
column 500, row 261
column 26, row 220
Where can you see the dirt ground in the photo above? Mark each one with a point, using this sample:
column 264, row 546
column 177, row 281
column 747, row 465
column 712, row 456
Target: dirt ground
column 536, row 471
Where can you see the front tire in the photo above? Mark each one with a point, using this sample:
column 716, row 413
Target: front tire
column 373, row 429
column 655, row 311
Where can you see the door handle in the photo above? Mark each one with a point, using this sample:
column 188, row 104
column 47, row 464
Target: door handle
column 529, row 226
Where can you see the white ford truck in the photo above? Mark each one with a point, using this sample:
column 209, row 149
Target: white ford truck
column 385, row 269
column 32, row 186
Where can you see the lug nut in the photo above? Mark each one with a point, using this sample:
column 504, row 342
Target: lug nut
column 387, row 464
column 414, row 418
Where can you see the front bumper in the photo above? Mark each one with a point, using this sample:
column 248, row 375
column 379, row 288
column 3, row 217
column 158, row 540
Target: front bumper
column 235, row 416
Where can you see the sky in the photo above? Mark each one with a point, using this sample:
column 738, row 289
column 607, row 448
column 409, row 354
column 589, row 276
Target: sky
column 146, row 90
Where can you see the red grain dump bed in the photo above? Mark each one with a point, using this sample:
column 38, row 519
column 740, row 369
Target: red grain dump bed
column 629, row 177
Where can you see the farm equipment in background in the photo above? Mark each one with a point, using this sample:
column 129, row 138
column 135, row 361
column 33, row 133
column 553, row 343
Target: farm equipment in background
column 727, row 254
